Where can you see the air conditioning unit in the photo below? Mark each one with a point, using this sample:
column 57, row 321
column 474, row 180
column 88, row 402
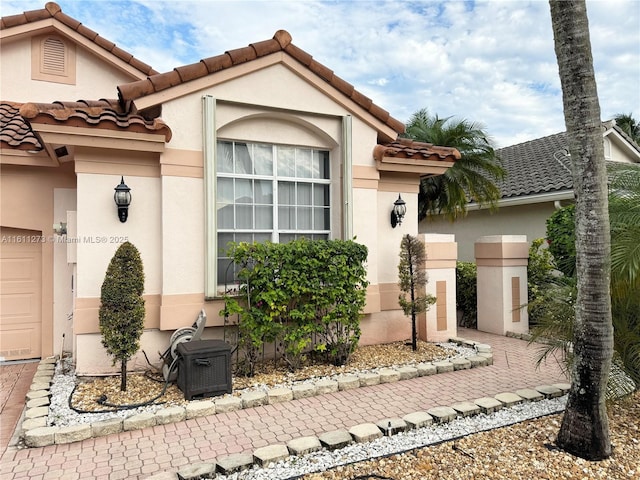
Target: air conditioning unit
column 204, row 368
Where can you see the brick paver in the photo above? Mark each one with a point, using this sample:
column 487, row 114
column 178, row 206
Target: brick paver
column 128, row 454
column 15, row 380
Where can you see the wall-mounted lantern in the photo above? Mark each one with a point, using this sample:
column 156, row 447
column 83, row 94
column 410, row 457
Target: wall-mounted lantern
column 398, row 212
column 122, row 198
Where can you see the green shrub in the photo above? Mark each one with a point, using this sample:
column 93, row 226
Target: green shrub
column 466, row 293
column 539, row 274
column 294, row 292
column 562, row 239
column 122, row 308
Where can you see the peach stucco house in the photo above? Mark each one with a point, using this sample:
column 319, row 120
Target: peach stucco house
column 258, row 143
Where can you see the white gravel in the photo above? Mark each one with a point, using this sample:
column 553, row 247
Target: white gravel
column 62, row 415
column 322, row 460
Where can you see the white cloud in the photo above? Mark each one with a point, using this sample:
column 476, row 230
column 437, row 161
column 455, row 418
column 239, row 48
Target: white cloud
column 487, row 61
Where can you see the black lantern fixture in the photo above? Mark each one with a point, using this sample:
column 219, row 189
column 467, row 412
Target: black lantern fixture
column 122, row 198
column 398, row 212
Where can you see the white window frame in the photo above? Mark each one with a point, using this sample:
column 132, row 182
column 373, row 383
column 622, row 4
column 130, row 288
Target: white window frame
column 276, row 179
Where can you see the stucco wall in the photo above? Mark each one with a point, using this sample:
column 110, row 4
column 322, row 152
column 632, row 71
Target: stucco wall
column 100, row 232
column 529, row 220
column 94, row 78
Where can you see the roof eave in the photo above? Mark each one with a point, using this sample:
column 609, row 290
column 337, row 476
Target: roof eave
column 527, row 200
column 423, row 168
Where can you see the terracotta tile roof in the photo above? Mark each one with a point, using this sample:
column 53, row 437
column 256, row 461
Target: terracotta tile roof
column 53, row 10
column 15, row 132
column 535, row 167
column 410, row 149
column 281, row 41
column 104, row 114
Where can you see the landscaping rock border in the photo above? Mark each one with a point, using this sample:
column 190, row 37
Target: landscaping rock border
column 35, row 433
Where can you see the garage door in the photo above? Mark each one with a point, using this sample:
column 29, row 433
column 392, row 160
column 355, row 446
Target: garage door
column 20, row 294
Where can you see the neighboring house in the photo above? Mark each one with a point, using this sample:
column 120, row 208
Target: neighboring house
column 538, row 182
column 259, row 143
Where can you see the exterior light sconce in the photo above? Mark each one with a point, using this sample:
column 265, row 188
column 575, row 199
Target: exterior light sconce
column 122, row 197
column 398, row 212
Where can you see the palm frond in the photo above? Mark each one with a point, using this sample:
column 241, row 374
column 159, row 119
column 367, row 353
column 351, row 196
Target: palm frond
column 472, row 177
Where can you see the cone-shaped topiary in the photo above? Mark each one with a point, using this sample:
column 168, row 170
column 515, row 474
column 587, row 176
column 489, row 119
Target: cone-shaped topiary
column 122, row 307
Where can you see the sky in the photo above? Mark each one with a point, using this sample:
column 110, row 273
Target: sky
column 490, row 62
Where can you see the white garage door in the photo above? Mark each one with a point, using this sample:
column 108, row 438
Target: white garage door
column 20, row 294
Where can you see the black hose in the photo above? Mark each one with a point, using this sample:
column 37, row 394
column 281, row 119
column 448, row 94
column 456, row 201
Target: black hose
column 114, row 408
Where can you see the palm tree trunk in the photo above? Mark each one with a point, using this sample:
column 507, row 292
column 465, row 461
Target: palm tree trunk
column 585, row 426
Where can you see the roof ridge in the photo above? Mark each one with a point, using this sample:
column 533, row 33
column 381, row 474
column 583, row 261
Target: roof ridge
column 281, row 41
column 53, row 10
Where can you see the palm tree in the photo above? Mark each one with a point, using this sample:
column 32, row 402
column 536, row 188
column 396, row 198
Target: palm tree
column 473, row 176
column 624, row 213
column 585, row 427
column 553, row 305
column 627, row 123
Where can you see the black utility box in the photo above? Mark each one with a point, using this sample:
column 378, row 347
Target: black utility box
column 204, row 368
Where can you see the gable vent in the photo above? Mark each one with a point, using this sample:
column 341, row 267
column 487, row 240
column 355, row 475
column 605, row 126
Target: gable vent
column 53, row 57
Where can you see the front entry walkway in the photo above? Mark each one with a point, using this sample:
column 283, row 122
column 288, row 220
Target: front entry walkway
column 139, row 454
column 15, row 380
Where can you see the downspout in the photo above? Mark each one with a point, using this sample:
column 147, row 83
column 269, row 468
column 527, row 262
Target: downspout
column 209, row 141
column 347, row 178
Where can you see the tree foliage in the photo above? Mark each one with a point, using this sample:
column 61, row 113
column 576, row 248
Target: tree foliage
column 122, row 307
column 561, row 237
column 629, row 125
column 467, row 293
column 472, row 177
column 624, row 218
column 413, row 280
column 624, row 215
column 540, row 273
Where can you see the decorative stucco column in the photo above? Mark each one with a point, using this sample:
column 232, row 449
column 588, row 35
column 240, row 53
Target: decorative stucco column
column 502, row 283
column 438, row 324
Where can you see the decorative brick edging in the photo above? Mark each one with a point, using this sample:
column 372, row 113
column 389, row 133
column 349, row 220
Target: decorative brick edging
column 365, row 432
column 36, row 433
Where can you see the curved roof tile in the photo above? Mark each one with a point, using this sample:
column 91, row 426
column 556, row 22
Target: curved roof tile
column 53, row 10
column 406, row 148
column 281, row 41
column 104, row 114
column 15, row 132
column 16, row 119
